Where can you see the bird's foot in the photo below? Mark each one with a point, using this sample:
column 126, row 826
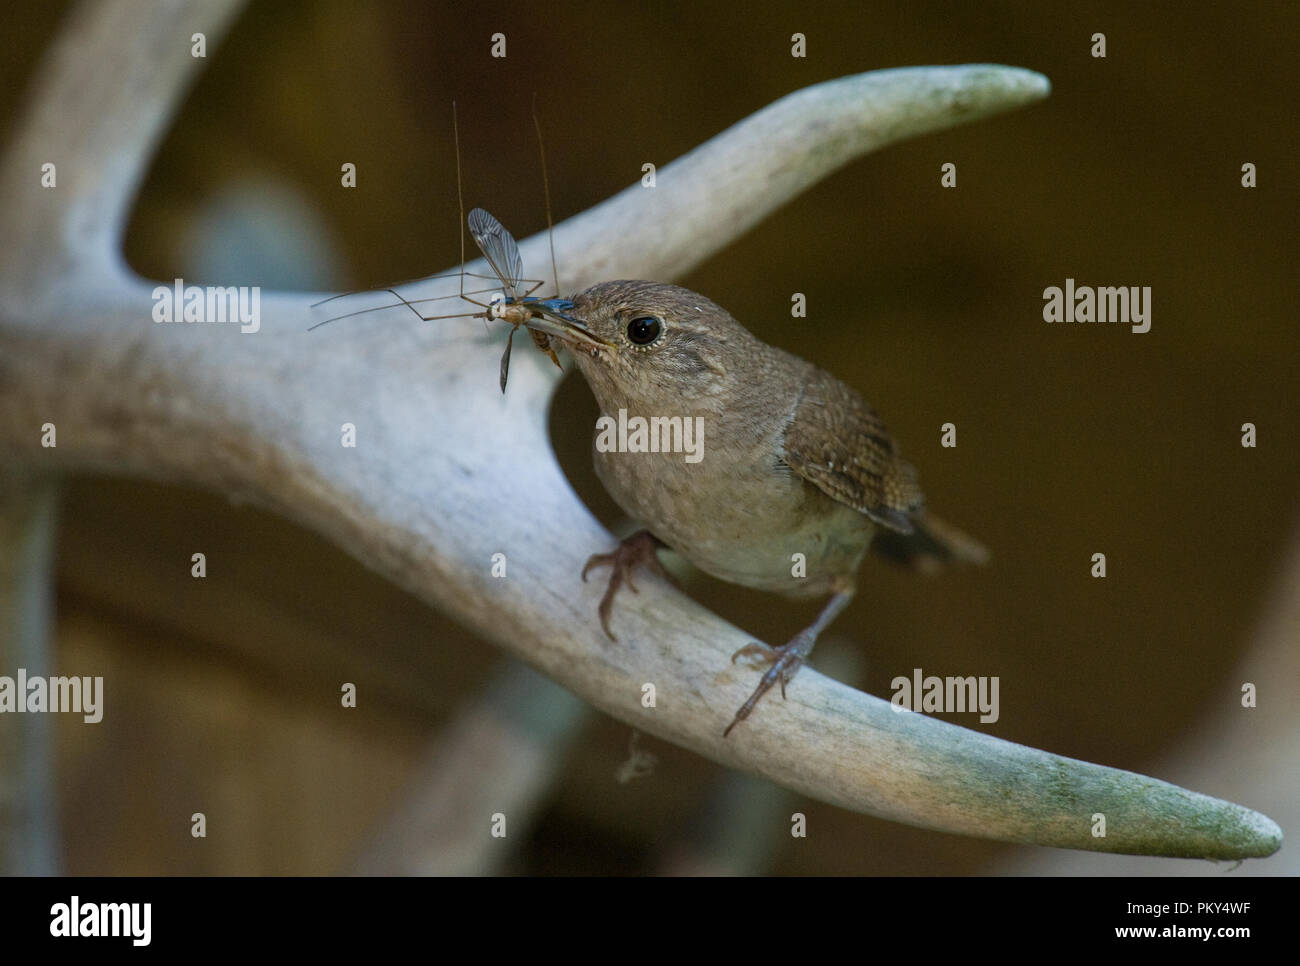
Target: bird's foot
column 640, row 548
column 785, row 661
column 788, row 659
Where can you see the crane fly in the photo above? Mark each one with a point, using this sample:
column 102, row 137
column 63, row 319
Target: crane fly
column 502, row 254
column 516, row 304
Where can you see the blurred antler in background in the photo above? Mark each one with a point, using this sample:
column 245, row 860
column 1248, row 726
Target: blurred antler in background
column 28, row 817
column 422, row 498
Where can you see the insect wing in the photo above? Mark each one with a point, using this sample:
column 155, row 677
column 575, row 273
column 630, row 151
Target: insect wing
column 499, row 248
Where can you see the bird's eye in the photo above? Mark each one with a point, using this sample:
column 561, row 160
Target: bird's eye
column 643, row 330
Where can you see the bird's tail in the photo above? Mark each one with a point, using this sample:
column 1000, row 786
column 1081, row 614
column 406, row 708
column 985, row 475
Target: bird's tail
column 932, row 546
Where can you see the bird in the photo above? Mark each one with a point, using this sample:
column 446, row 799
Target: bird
column 796, row 475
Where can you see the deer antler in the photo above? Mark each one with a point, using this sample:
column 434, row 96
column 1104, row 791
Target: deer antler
column 420, row 499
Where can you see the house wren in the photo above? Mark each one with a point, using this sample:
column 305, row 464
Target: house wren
column 793, row 475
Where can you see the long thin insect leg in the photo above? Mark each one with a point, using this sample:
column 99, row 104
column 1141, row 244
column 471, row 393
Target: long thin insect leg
column 460, row 201
column 460, row 195
column 539, row 340
column 546, row 190
column 402, row 301
column 505, row 357
column 409, row 281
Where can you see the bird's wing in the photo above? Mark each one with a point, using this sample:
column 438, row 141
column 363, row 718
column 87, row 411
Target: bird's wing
column 836, row 442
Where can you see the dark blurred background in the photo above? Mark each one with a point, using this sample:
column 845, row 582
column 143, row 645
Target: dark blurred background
column 1071, row 439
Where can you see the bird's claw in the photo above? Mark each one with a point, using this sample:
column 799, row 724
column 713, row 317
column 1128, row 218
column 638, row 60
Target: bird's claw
column 640, row 548
column 785, row 661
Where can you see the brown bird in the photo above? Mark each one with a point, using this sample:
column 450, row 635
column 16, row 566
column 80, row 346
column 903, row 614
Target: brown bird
column 793, row 475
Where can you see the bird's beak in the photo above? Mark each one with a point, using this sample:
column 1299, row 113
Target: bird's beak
column 572, row 332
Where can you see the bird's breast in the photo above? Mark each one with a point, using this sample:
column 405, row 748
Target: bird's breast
column 734, row 510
